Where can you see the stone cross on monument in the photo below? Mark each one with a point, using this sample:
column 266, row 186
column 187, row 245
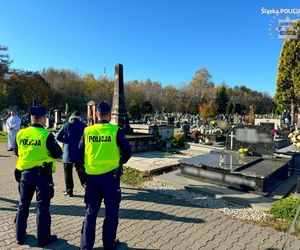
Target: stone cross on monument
column 231, row 140
column 119, row 114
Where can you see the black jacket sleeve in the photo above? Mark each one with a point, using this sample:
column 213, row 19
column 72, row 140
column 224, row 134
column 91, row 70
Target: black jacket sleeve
column 124, row 146
column 81, row 150
column 53, row 147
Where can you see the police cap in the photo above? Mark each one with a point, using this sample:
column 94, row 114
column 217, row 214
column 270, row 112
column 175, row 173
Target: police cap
column 103, row 108
column 38, row 111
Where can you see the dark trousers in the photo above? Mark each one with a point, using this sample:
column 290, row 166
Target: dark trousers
column 101, row 187
column 31, row 181
column 68, row 169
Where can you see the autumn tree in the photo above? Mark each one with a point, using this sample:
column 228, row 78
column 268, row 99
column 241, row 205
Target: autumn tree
column 169, row 99
column 201, row 86
column 288, row 74
column 208, row 110
column 91, row 87
column 66, row 87
column 24, row 86
column 251, row 114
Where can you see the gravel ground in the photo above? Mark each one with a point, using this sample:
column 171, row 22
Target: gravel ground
column 223, row 206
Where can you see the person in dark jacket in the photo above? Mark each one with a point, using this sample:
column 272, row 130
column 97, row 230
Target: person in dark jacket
column 70, row 134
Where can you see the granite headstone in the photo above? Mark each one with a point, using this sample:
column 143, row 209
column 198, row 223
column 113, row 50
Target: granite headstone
column 257, row 137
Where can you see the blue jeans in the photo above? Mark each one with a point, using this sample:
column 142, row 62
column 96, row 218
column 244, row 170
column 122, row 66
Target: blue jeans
column 101, row 187
column 30, row 182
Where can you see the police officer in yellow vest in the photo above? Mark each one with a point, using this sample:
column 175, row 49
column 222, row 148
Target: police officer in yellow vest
column 36, row 149
column 104, row 149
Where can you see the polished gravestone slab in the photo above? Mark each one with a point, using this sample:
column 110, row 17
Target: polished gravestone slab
column 256, row 137
column 231, row 169
column 294, row 153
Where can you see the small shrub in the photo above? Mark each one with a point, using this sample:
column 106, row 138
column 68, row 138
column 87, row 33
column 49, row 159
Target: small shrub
column 133, row 177
column 177, row 140
column 285, row 208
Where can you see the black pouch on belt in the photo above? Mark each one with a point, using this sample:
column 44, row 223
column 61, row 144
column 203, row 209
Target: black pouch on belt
column 46, row 168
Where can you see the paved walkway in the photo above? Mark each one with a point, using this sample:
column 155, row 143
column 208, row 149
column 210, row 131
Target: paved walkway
column 147, row 220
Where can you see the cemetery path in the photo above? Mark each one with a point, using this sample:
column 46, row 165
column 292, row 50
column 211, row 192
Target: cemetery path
column 147, row 220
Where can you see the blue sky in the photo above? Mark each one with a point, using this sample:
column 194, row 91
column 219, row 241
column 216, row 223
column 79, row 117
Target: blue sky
column 161, row 40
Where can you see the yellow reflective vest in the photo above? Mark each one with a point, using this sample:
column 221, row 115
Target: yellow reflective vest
column 101, row 150
column 32, row 149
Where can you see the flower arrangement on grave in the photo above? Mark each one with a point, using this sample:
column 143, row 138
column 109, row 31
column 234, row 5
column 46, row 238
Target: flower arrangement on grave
column 197, row 134
column 201, row 138
column 295, row 138
column 246, row 151
column 213, row 123
column 275, row 131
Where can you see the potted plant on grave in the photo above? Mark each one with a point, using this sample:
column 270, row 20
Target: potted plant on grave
column 249, row 151
column 213, row 123
column 177, row 140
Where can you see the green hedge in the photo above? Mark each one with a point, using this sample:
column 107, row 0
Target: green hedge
column 285, row 208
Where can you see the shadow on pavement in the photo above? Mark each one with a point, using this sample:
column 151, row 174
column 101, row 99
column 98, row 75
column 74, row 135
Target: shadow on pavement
column 124, row 213
column 124, row 246
column 147, row 195
column 31, row 240
column 152, row 196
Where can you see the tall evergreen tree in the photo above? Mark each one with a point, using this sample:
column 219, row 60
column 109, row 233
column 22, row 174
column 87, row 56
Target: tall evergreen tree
column 288, row 79
column 229, row 108
column 222, row 100
column 134, row 109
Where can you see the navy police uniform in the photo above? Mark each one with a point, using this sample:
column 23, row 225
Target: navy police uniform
column 36, row 148
column 103, row 150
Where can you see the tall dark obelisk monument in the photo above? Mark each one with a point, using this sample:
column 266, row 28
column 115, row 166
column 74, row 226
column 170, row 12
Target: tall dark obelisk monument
column 119, row 114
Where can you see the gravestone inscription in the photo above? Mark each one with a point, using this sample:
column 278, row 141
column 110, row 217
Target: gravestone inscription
column 256, row 137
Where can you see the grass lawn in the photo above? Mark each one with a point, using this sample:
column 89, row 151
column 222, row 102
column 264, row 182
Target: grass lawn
column 3, row 136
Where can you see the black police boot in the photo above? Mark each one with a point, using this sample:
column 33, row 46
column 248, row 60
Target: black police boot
column 20, row 242
column 114, row 247
column 51, row 239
